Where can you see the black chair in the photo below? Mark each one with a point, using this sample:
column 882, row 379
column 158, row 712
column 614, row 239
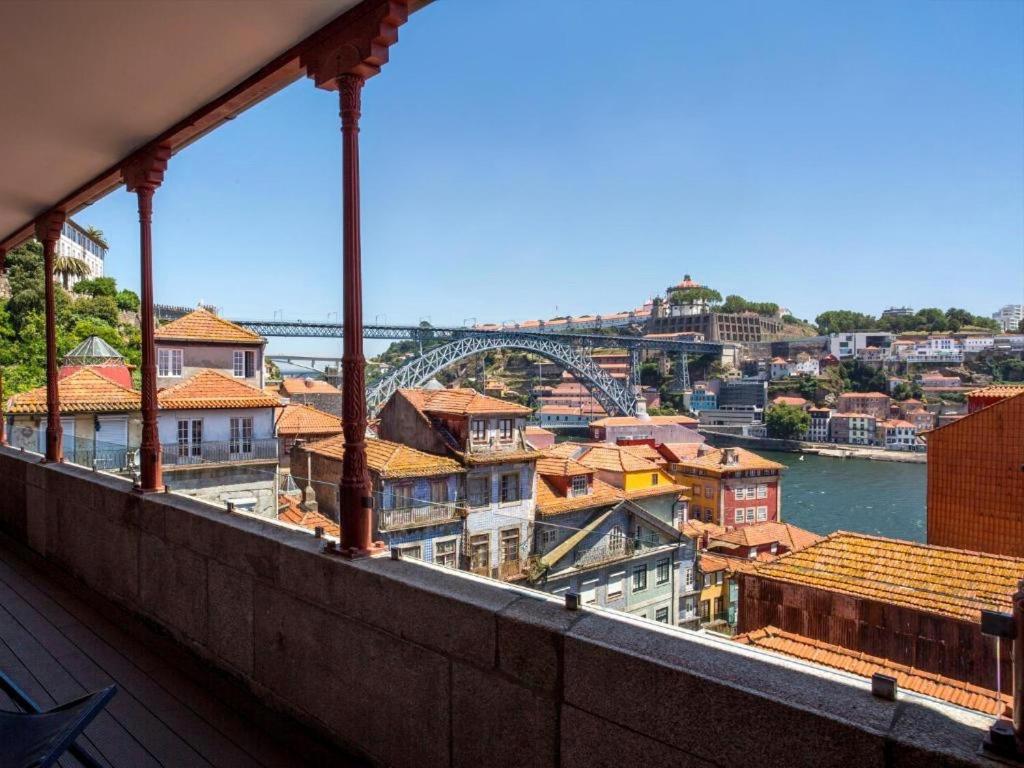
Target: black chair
column 36, row 739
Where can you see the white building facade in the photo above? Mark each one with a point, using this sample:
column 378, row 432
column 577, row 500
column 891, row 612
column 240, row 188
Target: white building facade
column 75, row 243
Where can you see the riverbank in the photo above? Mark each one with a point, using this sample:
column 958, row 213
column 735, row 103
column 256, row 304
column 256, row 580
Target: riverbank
column 829, row 450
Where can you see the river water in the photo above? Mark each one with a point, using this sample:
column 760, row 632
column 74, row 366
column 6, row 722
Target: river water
column 824, row 494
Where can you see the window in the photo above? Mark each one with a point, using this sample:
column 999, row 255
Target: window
column 663, row 570
column 708, row 493
column 616, row 540
column 239, row 363
column 579, row 485
column 654, row 478
column 168, row 362
column 479, row 491
column 752, row 553
column 615, row 584
column 510, row 545
column 705, row 610
column 241, row 435
column 775, row 548
column 707, row 515
column 505, row 429
column 718, row 606
column 439, row 491
column 661, row 615
column 548, row 537
column 739, row 515
column 412, row 550
column 762, row 514
column 190, row 437
column 640, row 578
column 401, row 495
column 244, row 364
column 444, row 553
column 480, row 552
column 588, row 591
column 750, row 514
column 510, row 488
column 478, row 429
column 762, row 491
column 689, row 577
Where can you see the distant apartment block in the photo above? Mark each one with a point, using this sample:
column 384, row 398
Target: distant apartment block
column 872, row 403
column 76, row 243
column 1009, row 317
column 851, row 345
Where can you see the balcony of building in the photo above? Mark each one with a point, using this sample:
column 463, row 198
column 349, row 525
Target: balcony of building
column 220, row 452
column 419, row 515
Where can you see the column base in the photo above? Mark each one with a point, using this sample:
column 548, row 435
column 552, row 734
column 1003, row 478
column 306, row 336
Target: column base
column 138, row 489
column 376, row 549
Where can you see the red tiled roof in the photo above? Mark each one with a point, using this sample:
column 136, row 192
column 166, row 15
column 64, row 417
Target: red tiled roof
column 289, row 511
column 908, row 678
column 786, row 400
column 680, row 451
column 294, row 387
column 212, row 389
column 713, row 461
column 389, row 460
column 84, row 391
column 552, row 501
column 203, row 325
column 759, row 534
column 560, row 466
column 460, row 401
column 299, row 419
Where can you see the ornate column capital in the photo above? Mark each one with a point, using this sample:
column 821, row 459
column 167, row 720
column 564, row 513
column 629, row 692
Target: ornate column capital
column 49, row 226
column 360, row 48
column 145, row 170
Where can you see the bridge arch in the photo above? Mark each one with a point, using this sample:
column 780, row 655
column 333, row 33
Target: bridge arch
column 614, row 396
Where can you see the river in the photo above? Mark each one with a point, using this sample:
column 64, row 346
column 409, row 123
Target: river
column 825, row 494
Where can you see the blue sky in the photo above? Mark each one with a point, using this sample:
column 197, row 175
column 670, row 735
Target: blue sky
column 528, row 155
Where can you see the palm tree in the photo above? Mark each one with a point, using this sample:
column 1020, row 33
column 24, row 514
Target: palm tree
column 68, row 267
column 97, row 235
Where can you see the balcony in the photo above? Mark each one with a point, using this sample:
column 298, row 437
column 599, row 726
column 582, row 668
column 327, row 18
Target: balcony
column 219, row 452
column 418, row 516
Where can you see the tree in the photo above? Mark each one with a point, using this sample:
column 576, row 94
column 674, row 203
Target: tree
column 97, row 286
column 787, row 422
column 97, row 235
column 650, row 376
column 695, row 295
column 931, row 319
column 127, row 300
column 843, row 321
column 68, row 267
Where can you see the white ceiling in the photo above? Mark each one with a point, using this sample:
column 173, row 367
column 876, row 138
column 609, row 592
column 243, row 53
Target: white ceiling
column 83, row 83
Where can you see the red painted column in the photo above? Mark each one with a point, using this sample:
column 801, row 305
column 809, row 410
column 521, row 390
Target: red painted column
column 48, row 228
column 142, row 175
column 3, row 416
column 356, row 496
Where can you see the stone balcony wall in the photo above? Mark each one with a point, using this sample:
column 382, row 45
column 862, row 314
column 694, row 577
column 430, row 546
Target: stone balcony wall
column 418, row 666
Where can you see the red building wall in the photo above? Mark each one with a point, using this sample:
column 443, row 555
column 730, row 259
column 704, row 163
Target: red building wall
column 729, row 504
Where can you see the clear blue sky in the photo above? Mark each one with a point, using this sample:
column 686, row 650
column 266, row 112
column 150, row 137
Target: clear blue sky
column 522, row 156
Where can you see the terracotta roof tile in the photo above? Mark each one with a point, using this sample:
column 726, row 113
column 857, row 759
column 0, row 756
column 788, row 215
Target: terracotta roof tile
column 655, row 490
column 759, row 534
column 299, row 419
column 289, row 511
column 613, row 458
column 292, row 387
column 389, row 460
column 787, row 400
column 908, row 678
column 998, row 390
column 203, row 325
column 949, row 582
column 712, row 461
column 460, row 401
column 559, row 466
column 681, row 451
column 551, row 501
column 212, row 389
column 84, row 391
column 630, row 421
column 644, row 451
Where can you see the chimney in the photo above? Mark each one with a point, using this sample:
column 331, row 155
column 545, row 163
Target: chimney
column 308, row 503
column 641, row 409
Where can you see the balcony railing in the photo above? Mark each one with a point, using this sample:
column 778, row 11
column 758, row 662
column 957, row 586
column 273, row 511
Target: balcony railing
column 417, row 516
column 602, row 553
column 511, row 569
column 219, row 452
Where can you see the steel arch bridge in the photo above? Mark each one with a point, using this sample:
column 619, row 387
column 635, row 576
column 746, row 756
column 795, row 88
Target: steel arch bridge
column 614, row 396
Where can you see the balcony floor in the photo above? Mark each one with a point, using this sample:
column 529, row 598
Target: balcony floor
column 57, row 643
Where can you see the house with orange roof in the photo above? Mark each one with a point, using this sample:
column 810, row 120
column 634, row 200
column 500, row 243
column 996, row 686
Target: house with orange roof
column 203, row 340
column 730, row 487
column 419, row 498
column 910, row 603
column 538, row 437
column 485, row 435
column 589, row 538
column 316, row 393
column 660, row 429
column 295, row 421
column 751, row 541
column 898, row 435
column 218, row 440
column 641, row 480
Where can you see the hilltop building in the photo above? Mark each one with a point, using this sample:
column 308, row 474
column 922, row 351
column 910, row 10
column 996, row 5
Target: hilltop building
column 76, row 243
column 1009, row 317
column 698, row 316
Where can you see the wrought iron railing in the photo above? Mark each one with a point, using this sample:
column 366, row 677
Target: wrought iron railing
column 609, row 549
column 219, row 451
column 418, row 515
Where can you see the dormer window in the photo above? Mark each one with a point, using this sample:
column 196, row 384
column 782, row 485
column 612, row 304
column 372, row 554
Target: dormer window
column 505, row 429
column 478, row 429
column 579, row 485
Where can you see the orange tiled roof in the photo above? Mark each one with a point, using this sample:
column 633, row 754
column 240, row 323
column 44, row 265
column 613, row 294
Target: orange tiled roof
column 290, row 512
column 560, row 466
column 872, row 395
column 909, row 678
column 299, row 419
column 460, row 401
column 567, row 449
column 787, row 400
column 695, row 529
column 213, row 389
column 533, row 429
column 613, row 458
column 655, row 490
column 712, row 461
column 630, row 421
column 389, row 460
column 681, row 451
column 998, row 390
column 84, row 391
column 759, row 534
column 644, row 451
column 203, row 325
column 293, row 387
column 950, row 582
column 551, row 501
